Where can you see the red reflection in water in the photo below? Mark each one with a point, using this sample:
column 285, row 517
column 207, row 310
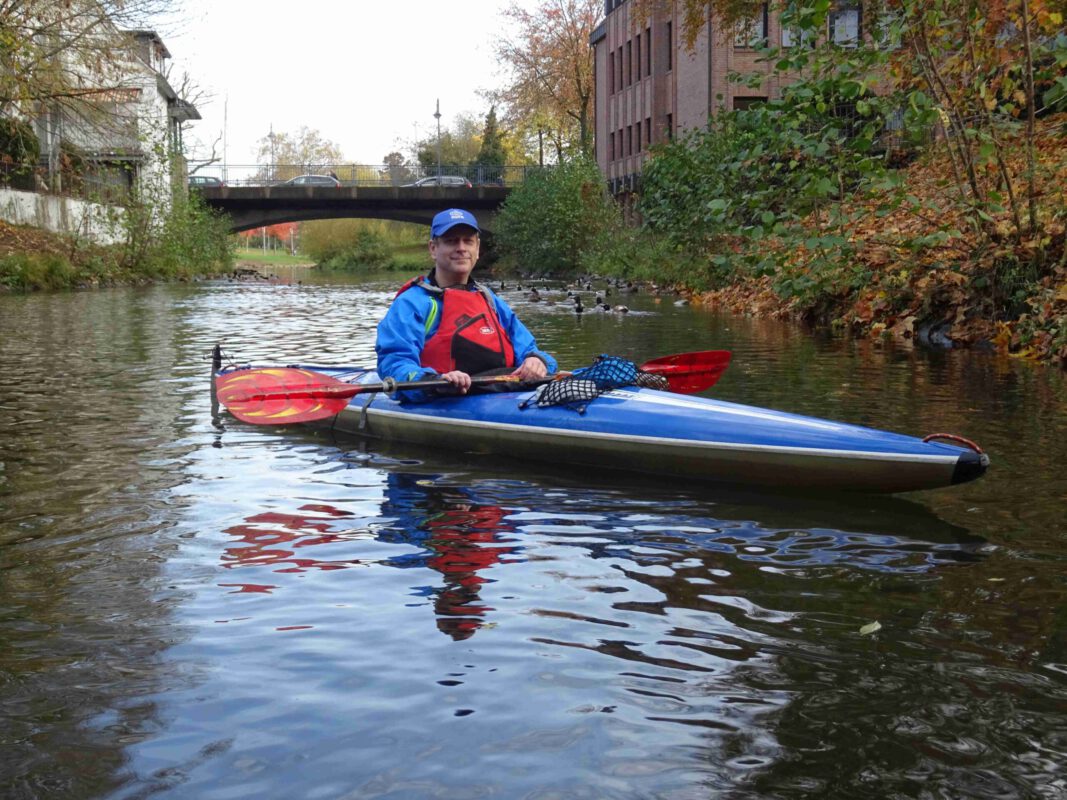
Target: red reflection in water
column 272, row 539
column 243, row 588
column 461, row 537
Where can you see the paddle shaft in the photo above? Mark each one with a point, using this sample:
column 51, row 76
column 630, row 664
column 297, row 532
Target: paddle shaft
column 351, row 390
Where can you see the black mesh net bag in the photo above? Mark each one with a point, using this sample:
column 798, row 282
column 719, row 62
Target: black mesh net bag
column 650, row 380
column 586, row 384
column 571, row 392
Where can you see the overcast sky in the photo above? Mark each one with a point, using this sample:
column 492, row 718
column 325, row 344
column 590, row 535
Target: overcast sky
column 366, row 74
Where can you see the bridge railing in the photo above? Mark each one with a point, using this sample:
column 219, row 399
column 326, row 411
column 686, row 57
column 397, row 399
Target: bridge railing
column 371, row 174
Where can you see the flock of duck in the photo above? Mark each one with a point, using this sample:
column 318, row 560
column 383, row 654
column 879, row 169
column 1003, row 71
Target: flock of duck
column 573, row 297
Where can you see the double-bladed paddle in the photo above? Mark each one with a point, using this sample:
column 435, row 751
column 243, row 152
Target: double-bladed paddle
column 288, row 395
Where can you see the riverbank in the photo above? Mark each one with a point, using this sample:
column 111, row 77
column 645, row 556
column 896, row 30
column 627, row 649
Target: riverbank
column 32, row 259
column 966, row 288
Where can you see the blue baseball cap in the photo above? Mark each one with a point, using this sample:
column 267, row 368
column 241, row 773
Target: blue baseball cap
column 450, row 218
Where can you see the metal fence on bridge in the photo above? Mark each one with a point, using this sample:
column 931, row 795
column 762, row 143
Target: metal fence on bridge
column 406, row 175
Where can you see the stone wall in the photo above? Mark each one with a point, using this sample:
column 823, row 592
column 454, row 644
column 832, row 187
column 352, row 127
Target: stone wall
column 80, row 218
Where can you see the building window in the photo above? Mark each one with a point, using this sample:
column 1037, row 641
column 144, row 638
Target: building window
column 619, row 83
column 648, row 50
column 670, row 46
column 747, row 102
column 670, row 127
column 629, row 63
column 637, row 53
column 629, row 140
column 845, row 27
column 648, row 131
column 795, row 37
column 611, row 73
column 752, row 32
column 637, row 131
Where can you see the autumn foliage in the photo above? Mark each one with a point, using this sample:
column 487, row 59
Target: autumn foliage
column 909, row 186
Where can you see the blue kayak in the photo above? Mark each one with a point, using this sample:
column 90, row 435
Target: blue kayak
column 667, row 435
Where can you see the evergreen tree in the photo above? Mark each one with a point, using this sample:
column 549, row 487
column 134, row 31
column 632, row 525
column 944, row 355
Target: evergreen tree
column 490, row 160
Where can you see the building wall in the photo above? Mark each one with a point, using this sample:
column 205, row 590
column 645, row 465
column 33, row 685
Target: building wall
column 79, row 218
column 683, row 88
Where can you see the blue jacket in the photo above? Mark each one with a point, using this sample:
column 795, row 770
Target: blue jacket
column 414, row 317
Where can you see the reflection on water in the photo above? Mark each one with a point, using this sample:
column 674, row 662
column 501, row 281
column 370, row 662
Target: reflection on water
column 195, row 608
column 456, row 536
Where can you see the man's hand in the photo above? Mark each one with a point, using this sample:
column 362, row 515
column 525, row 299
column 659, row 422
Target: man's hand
column 532, row 369
column 460, row 380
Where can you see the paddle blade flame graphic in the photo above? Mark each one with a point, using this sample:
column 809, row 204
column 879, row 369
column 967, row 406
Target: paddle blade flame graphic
column 282, row 395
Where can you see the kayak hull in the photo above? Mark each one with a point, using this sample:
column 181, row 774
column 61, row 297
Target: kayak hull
column 666, row 435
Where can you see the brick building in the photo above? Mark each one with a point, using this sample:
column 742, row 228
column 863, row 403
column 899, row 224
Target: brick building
column 650, row 87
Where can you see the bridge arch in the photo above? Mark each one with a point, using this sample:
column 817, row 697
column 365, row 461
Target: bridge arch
column 251, row 207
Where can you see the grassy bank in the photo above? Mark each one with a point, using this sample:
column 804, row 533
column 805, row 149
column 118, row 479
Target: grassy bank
column 270, row 258
column 190, row 243
column 398, row 258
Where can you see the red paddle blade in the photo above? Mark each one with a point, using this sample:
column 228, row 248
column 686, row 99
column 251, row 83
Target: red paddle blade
column 282, row 395
column 689, row 373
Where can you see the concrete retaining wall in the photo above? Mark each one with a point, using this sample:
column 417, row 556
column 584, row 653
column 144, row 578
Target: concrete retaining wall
column 93, row 221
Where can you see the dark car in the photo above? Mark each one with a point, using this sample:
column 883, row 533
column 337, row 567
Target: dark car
column 313, row 180
column 442, row 180
column 204, row 181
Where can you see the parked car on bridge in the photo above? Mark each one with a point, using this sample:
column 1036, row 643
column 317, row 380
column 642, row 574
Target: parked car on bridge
column 204, row 181
column 313, row 180
column 442, row 180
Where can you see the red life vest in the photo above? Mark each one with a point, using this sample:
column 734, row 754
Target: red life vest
column 469, row 336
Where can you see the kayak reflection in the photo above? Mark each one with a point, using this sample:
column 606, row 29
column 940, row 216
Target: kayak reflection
column 457, row 531
column 442, row 527
column 271, row 539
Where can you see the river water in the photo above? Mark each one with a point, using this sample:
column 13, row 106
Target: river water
column 191, row 607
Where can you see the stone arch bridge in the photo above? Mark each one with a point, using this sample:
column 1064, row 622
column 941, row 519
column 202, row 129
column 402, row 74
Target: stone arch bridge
column 256, row 206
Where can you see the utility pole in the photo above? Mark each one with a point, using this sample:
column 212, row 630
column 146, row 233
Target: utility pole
column 437, row 116
column 273, row 166
column 225, row 155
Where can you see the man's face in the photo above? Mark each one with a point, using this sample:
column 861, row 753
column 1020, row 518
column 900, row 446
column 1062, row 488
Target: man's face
column 455, row 253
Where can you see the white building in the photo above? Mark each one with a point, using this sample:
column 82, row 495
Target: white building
column 126, row 134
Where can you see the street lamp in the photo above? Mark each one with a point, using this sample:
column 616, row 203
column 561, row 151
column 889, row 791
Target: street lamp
column 437, row 116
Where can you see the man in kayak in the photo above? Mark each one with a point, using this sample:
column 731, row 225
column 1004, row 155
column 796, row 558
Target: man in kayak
column 446, row 324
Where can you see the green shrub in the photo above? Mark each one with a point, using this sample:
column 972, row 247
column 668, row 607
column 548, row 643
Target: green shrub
column 192, row 240
column 18, row 143
column 29, row 271
column 554, row 217
column 367, row 250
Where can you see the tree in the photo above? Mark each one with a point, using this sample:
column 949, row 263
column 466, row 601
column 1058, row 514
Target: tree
column 551, row 66
column 460, row 145
column 492, row 152
column 555, row 216
column 489, row 163
column 694, row 14
column 283, row 155
column 68, row 53
column 396, row 170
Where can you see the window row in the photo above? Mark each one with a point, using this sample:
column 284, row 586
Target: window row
column 631, row 140
column 843, row 24
column 630, row 62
